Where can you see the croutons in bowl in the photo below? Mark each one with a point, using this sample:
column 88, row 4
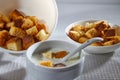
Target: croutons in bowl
column 25, row 22
column 81, row 31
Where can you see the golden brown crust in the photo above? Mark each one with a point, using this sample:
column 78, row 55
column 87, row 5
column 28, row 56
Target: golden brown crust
column 15, row 14
column 46, row 63
column 101, row 25
column 2, row 25
column 19, row 26
column 97, row 44
column 14, row 44
column 82, row 39
column 109, row 32
column 92, row 33
column 60, row 54
column 28, row 40
column 18, row 32
column 18, row 21
column 34, row 19
column 32, row 31
column 42, row 35
column 27, row 23
column 74, row 35
column 41, row 26
column 96, row 29
column 9, row 25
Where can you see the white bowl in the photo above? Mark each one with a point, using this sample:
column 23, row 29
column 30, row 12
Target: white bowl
column 92, row 49
column 45, row 73
column 43, row 9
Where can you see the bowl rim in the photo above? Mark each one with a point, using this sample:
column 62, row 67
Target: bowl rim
column 51, row 68
column 84, row 21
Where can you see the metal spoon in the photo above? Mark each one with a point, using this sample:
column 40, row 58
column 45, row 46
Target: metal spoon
column 88, row 42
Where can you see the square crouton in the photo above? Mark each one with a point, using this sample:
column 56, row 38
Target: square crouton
column 82, row 39
column 27, row 40
column 78, row 28
column 109, row 32
column 60, row 54
column 32, row 31
column 101, row 25
column 2, row 25
column 108, row 43
column 27, row 23
column 9, row 25
column 46, row 63
column 5, row 19
column 92, row 33
column 2, row 41
column 41, row 26
column 14, row 44
column 18, row 32
column 97, row 44
column 117, row 29
column 14, row 14
column 34, row 19
column 18, row 21
column 42, row 35
column 4, row 35
column 48, row 54
column 74, row 35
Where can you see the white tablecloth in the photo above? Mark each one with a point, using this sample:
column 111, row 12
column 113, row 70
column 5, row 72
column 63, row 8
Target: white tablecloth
column 95, row 67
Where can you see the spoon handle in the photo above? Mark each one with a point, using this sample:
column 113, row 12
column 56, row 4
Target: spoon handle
column 88, row 42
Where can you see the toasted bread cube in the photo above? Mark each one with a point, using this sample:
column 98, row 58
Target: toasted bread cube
column 42, row 35
column 101, row 25
column 109, row 32
column 5, row 19
column 32, row 31
column 41, row 26
column 74, row 35
column 2, row 25
column 117, row 29
column 78, row 28
column 108, row 43
column 97, row 44
column 46, row 63
column 14, row 44
column 48, row 55
column 92, row 33
column 27, row 23
column 2, row 41
column 4, row 35
column 88, row 26
column 82, row 39
column 14, row 14
column 9, row 25
column 27, row 40
column 116, row 39
column 18, row 32
column 34, row 19
column 60, row 54
column 18, row 21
